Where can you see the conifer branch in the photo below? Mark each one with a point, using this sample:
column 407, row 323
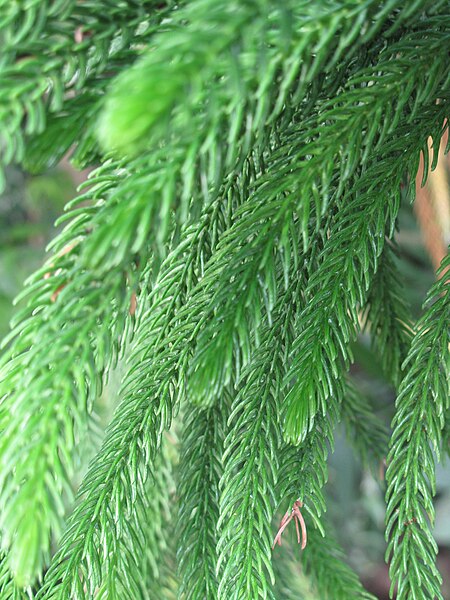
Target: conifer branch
column 248, row 496
column 50, row 49
column 105, row 523
column 366, row 432
column 387, row 316
column 201, row 470
column 238, row 243
column 304, row 471
column 145, row 577
column 324, row 562
column 303, row 474
column 8, row 588
column 285, row 198
column 254, row 52
column 184, row 168
column 420, row 411
column 247, row 491
column 291, row 582
column 151, row 392
column 74, row 323
column 348, row 263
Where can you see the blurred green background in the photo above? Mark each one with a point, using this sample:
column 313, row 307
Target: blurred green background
column 29, row 207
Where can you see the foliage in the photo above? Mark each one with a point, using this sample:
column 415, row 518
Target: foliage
column 422, row 404
column 236, row 235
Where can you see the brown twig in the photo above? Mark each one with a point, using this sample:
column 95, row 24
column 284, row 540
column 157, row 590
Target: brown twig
column 300, row 527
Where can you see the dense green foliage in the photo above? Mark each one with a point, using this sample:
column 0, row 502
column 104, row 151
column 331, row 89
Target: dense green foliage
column 233, row 239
